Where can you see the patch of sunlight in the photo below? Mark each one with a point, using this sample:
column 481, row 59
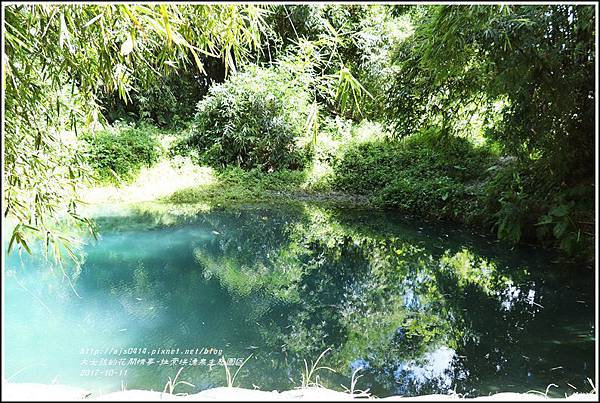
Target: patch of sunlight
column 477, row 119
column 317, row 176
column 152, row 183
column 367, row 131
column 340, row 133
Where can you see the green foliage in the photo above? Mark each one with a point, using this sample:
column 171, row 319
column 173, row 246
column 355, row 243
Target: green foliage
column 320, row 43
column 169, row 104
column 287, row 23
column 377, row 37
column 346, row 39
column 526, row 72
column 313, row 22
column 236, row 184
column 522, row 205
column 117, row 153
column 58, row 58
column 256, row 119
column 425, row 174
column 569, row 221
column 437, row 176
column 506, row 198
column 537, row 60
column 528, row 56
column 436, row 197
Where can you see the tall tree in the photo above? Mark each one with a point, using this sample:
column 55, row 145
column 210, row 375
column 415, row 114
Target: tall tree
column 529, row 67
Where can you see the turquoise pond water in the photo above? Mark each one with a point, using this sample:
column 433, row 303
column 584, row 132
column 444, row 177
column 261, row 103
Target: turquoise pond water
column 414, row 307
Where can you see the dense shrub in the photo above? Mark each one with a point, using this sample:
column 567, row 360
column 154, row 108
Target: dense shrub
column 522, row 205
column 256, row 119
column 170, row 102
column 120, row 151
column 425, row 174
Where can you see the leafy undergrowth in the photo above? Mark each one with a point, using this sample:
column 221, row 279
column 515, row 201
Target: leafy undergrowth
column 118, row 153
column 425, row 174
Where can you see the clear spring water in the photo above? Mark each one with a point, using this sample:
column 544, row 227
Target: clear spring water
column 414, row 307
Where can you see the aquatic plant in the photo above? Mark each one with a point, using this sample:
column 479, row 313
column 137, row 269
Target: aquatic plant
column 231, row 379
column 173, row 383
column 307, row 374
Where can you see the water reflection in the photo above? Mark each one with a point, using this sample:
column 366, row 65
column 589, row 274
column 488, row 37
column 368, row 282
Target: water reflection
column 418, row 307
column 434, row 369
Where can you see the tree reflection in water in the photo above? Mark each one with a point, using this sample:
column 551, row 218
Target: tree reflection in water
column 418, row 307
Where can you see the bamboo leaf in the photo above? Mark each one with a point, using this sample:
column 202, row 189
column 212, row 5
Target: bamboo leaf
column 14, row 236
column 165, row 15
column 64, row 32
column 197, row 60
column 24, row 244
column 93, row 20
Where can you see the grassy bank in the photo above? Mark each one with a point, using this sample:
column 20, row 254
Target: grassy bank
column 181, row 181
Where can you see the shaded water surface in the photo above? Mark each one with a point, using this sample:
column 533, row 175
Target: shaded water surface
column 413, row 307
